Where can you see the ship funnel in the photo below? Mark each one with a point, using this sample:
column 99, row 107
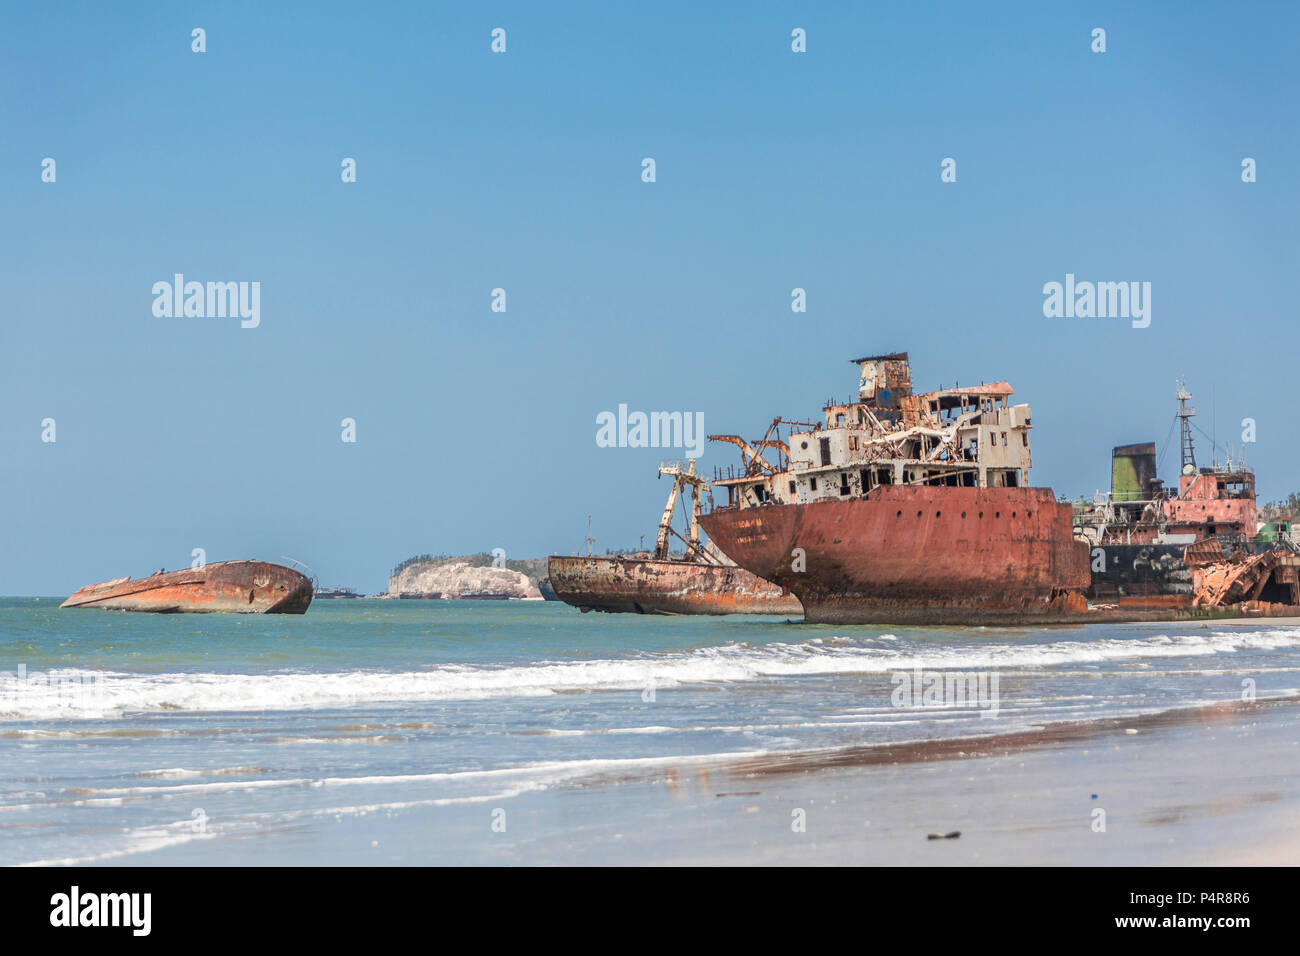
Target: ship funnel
column 1133, row 472
column 886, row 380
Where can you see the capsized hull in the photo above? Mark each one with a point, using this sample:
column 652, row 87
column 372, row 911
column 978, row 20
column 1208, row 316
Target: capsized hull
column 240, row 587
column 647, row 586
column 916, row 555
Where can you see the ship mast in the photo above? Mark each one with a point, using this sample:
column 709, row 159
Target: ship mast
column 1185, row 422
column 680, row 479
column 666, row 522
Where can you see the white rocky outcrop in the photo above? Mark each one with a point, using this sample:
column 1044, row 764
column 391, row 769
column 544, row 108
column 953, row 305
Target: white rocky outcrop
column 460, row 580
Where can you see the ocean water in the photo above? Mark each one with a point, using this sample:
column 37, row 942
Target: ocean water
column 125, row 734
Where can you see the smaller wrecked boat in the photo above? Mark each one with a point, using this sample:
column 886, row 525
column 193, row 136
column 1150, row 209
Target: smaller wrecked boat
column 702, row 581
column 238, row 587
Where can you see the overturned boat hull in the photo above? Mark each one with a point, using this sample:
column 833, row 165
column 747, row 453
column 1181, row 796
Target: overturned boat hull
column 238, row 587
column 649, row 586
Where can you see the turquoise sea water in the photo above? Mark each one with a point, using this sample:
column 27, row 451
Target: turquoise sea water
column 123, row 734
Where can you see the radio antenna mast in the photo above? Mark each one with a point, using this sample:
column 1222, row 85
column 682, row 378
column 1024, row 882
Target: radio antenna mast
column 1184, row 417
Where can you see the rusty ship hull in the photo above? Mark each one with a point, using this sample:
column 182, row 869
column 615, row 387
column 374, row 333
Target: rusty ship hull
column 650, row 586
column 241, row 587
column 916, row 555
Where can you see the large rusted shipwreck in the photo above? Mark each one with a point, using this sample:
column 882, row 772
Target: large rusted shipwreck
column 1156, row 546
column 242, row 587
column 915, row 508
column 904, row 508
column 701, row 581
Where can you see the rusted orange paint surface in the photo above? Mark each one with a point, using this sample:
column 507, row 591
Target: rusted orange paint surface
column 243, row 587
column 642, row 586
column 1250, row 578
column 914, row 554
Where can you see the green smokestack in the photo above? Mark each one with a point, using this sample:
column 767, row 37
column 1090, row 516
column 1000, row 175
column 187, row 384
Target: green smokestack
column 1133, row 469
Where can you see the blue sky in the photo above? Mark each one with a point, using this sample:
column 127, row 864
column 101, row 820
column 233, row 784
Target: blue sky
column 522, row 171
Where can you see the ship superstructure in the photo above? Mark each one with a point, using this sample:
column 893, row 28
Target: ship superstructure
column 971, row 437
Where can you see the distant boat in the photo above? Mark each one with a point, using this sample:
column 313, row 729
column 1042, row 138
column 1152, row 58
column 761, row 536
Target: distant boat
column 336, row 593
column 239, row 587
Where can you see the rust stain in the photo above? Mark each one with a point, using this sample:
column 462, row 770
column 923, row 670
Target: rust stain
column 243, row 587
column 650, row 586
column 701, row 582
column 1269, row 578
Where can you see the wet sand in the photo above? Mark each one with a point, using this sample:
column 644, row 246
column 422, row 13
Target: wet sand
column 1205, row 785
column 1211, row 785
column 1255, row 621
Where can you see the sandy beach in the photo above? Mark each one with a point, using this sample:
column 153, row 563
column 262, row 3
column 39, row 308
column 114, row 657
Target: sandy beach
column 1204, row 786
column 1207, row 785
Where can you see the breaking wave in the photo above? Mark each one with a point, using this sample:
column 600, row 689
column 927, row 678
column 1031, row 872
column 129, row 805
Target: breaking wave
column 76, row 693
